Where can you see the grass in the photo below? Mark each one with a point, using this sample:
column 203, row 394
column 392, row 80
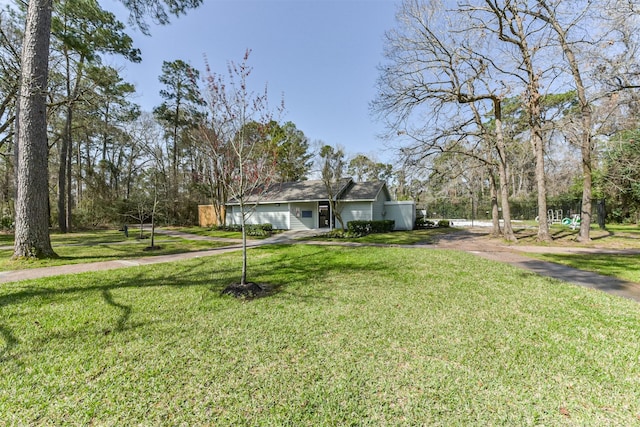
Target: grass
column 76, row 248
column 622, row 266
column 615, row 236
column 413, row 237
column 6, row 239
column 351, row 336
column 213, row 232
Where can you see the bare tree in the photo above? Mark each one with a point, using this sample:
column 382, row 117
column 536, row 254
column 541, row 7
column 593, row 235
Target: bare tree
column 333, row 166
column 436, row 64
column 240, row 119
column 526, row 37
column 551, row 13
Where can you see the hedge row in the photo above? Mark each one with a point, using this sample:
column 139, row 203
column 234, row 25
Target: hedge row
column 362, row 228
column 255, row 230
column 426, row 223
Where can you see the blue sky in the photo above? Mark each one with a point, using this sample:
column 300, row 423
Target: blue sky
column 320, row 55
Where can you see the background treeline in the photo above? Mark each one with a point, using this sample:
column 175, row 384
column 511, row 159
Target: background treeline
column 525, row 106
column 507, row 102
column 109, row 161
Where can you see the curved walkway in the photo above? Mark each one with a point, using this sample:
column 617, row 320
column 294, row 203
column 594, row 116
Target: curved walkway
column 473, row 241
column 234, row 245
column 479, row 243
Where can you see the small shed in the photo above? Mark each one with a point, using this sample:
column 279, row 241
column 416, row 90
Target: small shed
column 207, row 216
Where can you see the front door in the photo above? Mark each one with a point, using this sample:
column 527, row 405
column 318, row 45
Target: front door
column 324, row 215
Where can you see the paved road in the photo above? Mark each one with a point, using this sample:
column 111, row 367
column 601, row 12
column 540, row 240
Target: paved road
column 474, row 242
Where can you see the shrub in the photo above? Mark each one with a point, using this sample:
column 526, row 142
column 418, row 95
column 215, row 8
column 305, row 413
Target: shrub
column 384, row 226
column 259, row 230
column 424, row 223
column 444, row 223
column 336, row 234
column 231, row 227
column 6, row 223
column 359, row 228
column 362, row 228
column 255, row 230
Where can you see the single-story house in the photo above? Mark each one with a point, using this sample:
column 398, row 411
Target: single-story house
column 304, row 205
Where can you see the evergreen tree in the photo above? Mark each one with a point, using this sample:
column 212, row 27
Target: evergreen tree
column 32, row 205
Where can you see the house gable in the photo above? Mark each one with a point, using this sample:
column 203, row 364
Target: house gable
column 299, row 191
column 367, row 191
column 297, row 205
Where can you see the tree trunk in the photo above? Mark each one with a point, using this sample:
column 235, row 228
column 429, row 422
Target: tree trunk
column 243, row 278
column 537, row 143
column 502, row 173
column 543, row 222
column 495, row 213
column 66, row 148
column 69, row 184
column 32, row 197
column 586, row 141
column 586, row 209
column 79, row 181
column 62, row 173
column 153, row 230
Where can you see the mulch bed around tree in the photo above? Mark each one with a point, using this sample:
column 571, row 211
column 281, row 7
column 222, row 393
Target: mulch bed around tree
column 249, row 290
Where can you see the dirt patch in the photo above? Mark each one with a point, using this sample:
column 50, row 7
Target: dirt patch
column 567, row 238
column 480, row 240
column 468, row 239
column 249, row 290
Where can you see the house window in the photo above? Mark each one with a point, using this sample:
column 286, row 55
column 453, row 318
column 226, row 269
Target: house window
column 307, row 214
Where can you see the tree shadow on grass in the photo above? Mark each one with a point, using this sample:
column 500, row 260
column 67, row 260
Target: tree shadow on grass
column 10, row 342
column 583, row 278
column 127, row 254
column 284, row 273
column 267, row 277
column 47, row 293
column 140, row 280
column 126, row 310
column 278, row 268
column 611, row 234
column 279, row 263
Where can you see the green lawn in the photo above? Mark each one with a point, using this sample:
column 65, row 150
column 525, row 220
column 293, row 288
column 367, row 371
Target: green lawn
column 615, row 236
column 352, row 336
column 622, row 266
column 6, row 239
column 213, row 232
column 76, row 248
column 412, row 237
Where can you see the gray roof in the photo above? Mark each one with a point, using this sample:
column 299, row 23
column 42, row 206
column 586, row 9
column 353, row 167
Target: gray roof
column 315, row 190
column 364, row 191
